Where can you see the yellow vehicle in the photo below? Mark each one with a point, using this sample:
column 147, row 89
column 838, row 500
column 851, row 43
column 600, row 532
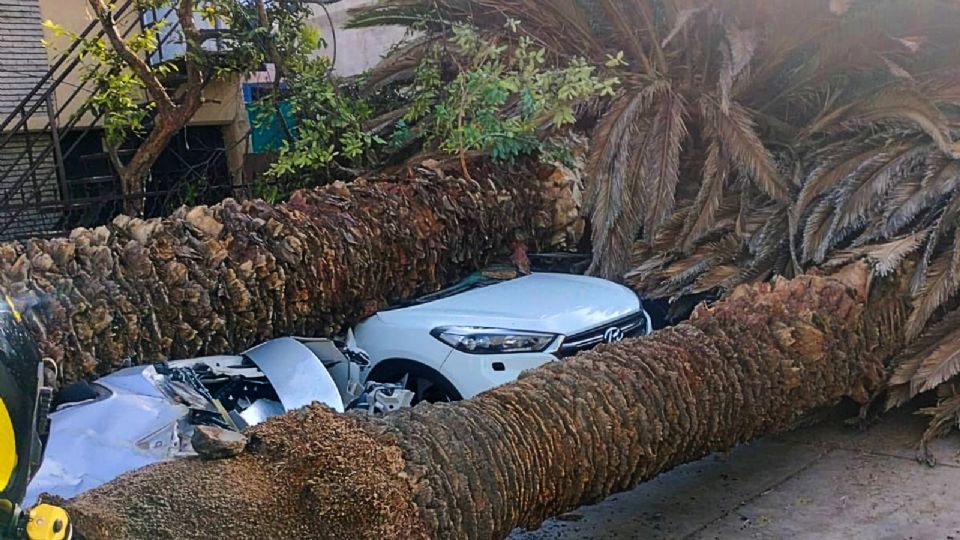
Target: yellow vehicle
column 24, row 404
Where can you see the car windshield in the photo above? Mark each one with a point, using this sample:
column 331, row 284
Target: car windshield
column 486, row 277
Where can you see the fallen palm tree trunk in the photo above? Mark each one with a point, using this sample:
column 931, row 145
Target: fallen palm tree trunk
column 220, row 278
column 562, row 436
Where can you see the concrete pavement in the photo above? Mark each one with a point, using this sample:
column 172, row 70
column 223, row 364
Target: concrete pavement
column 823, row 482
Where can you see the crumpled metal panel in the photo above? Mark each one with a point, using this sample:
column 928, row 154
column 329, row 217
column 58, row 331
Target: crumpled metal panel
column 296, row 374
column 260, row 411
column 137, row 424
column 95, row 442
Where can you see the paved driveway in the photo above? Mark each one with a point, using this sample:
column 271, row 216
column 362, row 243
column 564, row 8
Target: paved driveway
column 824, row 482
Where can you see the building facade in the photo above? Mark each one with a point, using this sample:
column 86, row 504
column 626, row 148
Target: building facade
column 27, row 165
column 54, row 171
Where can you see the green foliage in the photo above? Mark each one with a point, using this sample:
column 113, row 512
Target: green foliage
column 329, row 122
column 269, row 192
column 251, row 42
column 118, row 95
column 504, row 100
column 501, row 98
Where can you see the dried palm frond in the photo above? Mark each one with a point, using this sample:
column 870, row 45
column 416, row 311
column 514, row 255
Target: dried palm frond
column 704, row 209
column 683, row 17
column 911, row 109
column 400, row 65
column 393, row 13
column 617, row 200
column 625, row 29
column 886, row 258
column 720, row 276
column 941, row 282
column 942, row 364
column 903, row 382
column 737, row 51
column 833, row 164
column 662, row 161
column 736, row 132
column 782, row 135
column 856, row 197
column 945, row 417
column 816, row 233
column 917, row 195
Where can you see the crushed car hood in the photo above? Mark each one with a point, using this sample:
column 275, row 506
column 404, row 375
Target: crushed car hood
column 556, row 303
column 133, row 423
column 89, row 446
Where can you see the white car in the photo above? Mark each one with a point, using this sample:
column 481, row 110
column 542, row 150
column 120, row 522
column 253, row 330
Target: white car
column 484, row 331
column 147, row 414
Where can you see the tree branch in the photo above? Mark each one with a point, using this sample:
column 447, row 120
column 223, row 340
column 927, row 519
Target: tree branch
column 153, row 85
column 194, row 88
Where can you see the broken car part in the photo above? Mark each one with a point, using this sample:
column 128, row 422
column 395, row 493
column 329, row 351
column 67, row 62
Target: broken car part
column 146, row 414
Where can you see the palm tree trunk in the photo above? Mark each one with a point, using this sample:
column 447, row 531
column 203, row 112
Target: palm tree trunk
column 565, row 435
column 216, row 279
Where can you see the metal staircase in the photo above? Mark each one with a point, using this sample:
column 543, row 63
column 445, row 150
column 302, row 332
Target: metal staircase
column 52, row 166
column 33, row 137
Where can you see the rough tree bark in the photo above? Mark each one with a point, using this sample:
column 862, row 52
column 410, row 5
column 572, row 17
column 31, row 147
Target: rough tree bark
column 218, row 279
column 564, row 435
column 137, row 170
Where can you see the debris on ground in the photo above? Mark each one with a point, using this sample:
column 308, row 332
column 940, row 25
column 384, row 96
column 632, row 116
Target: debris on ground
column 313, row 467
column 212, row 442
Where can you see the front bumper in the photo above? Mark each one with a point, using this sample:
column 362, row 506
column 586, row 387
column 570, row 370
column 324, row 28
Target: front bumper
column 634, row 325
column 472, row 374
column 475, row 373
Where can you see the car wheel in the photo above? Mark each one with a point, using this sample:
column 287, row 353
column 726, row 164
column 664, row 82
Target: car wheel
column 429, row 390
column 426, row 384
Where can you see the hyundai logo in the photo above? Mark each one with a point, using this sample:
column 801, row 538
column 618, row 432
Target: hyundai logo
column 614, row 334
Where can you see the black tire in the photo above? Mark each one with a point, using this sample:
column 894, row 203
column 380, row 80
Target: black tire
column 427, row 384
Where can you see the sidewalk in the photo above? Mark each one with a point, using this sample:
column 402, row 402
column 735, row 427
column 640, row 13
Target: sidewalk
column 824, row 482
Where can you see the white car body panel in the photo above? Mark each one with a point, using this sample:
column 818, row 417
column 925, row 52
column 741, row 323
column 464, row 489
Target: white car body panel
column 88, row 446
column 560, row 304
column 401, row 341
column 556, row 303
column 472, row 374
column 295, row 374
column 93, row 442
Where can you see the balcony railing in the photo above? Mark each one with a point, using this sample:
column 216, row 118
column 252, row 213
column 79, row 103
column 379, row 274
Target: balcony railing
column 45, row 131
column 173, row 44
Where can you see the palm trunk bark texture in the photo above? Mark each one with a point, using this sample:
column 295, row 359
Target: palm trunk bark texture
column 568, row 434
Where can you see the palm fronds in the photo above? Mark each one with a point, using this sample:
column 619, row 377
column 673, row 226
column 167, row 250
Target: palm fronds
column 617, row 164
column 945, row 416
column 755, row 138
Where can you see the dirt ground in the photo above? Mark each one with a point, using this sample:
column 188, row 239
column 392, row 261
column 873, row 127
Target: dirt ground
column 825, row 482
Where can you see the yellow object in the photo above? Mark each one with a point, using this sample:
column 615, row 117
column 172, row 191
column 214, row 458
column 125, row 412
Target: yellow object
column 8, row 447
column 48, row 523
column 13, row 308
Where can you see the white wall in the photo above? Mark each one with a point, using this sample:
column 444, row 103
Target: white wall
column 357, row 50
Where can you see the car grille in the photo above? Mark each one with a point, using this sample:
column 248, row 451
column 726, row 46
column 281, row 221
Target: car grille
column 631, row 326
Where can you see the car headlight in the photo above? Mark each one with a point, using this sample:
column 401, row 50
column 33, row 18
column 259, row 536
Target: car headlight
column 493, row 340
